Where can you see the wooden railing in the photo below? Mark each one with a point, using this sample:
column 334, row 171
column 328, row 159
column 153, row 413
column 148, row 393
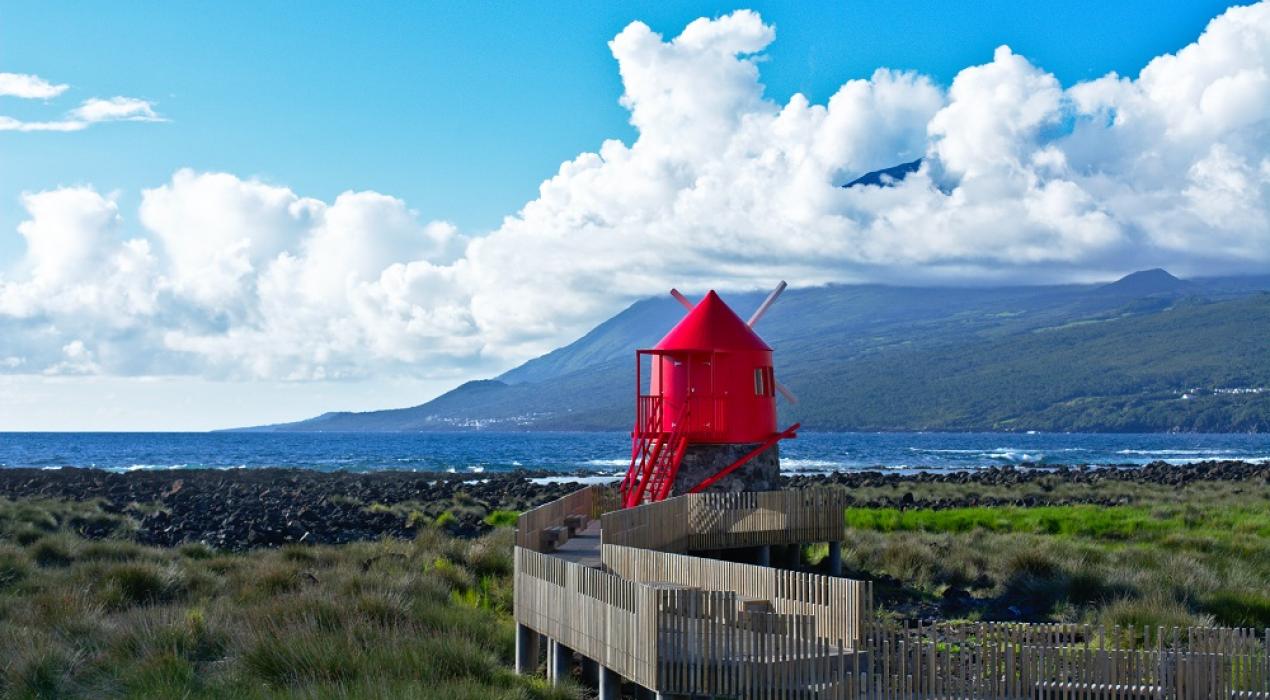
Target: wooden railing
column 591, row 501
column 835, row 606
column 678, row 640
column 709, row 645
column 1052, row 661
column 598, row 614
column 706, row 521
column 662, row 526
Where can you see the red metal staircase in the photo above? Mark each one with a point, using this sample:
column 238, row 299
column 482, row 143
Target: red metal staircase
column 655, row 456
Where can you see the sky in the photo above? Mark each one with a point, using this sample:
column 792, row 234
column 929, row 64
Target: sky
column 230, row 214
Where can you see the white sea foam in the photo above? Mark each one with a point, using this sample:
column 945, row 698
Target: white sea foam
column 1190, row 453
column 619, row 462
column 598, row 479
column 147, row 467
column 815, row 465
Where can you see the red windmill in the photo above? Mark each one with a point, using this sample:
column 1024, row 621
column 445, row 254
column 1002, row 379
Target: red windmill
column 709, row 409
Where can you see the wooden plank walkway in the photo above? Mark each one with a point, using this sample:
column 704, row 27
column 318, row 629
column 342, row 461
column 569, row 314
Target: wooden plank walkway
column 583, row 548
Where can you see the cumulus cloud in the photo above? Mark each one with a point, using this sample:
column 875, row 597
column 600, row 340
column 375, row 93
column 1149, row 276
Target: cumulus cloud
column 1022, row 179
column 28, row 87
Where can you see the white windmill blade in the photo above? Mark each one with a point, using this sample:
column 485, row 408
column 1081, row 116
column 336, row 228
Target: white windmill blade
column 784, row 390
column 767, row 304
column 681, row 299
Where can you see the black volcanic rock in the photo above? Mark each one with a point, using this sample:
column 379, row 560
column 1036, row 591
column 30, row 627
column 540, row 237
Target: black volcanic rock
column 246, row 508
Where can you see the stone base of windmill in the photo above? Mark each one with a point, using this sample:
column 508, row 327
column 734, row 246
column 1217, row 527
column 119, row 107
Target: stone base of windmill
column 701, row 462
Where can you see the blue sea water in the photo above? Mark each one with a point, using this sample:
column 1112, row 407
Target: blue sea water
column 602, row 453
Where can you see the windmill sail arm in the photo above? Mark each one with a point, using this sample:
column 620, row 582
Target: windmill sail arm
column 784, row 391
column 679, row 297
column 767, row 304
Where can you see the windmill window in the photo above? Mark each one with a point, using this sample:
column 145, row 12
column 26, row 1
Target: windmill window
column 764, row 381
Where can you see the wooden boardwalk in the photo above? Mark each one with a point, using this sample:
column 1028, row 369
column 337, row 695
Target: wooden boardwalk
column 625, row 592
column 583, row 548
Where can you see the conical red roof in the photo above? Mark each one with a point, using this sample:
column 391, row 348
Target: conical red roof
column 711, row 325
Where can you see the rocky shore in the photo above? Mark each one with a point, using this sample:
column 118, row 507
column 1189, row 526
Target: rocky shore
column 247, row 508
column 1034, row 485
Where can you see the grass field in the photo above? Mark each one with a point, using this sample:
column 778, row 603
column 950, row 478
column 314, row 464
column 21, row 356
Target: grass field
column 1198, row 554
column 428, row 618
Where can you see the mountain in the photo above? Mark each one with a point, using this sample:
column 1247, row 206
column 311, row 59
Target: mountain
column 886, row 177
column 1149, row 352
column 1147, row 283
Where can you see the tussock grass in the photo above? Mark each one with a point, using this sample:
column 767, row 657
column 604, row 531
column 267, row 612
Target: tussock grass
column 502, row 518
column 1196, row 555
column 426, row 618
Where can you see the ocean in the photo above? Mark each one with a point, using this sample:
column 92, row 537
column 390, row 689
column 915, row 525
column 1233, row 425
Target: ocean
column 600, row 453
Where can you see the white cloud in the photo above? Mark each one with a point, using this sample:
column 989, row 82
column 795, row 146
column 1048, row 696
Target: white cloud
column 115, row 109
column 76, row 359
column 91, row 111
column 1023, row 179
column 11, row 124
column 29, row 87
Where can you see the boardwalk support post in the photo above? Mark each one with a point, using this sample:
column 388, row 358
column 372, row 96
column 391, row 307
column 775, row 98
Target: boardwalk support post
column 610, row 684
column 835, row 559
column 559, row 662
column 526, row 650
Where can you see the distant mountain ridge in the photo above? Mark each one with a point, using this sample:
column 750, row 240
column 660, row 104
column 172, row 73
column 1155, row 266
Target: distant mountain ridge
column 1148, row 283
column 1095, row 357
column 886, row 177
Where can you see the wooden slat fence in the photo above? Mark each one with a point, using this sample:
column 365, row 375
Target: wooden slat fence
column 592, row 501
column 708, row 646
column 662, row 526
column 705, row 521
column 1056, row 661
column 730, row 520
column 677, row 640
column 835, row 606
column 595, row 613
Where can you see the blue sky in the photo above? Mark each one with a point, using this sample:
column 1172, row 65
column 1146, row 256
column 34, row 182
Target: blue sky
column 256, row 212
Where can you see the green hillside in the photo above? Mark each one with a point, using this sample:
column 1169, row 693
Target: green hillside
column 1127, row 374
column 1148, row 353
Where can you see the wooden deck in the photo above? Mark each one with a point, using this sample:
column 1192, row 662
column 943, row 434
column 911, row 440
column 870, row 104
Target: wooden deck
column 583, row 548
column 625, row 592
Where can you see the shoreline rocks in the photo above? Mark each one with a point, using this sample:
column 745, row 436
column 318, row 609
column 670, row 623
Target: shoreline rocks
column 247, row 508
column 1031, row 479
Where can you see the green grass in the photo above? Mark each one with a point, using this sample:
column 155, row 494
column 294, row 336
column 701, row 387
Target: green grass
column 1198, row 554
column 1114, row 522
column 427, row 618
column 502, row 518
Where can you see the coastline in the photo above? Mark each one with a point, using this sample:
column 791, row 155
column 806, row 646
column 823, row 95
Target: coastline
column 240, row 509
